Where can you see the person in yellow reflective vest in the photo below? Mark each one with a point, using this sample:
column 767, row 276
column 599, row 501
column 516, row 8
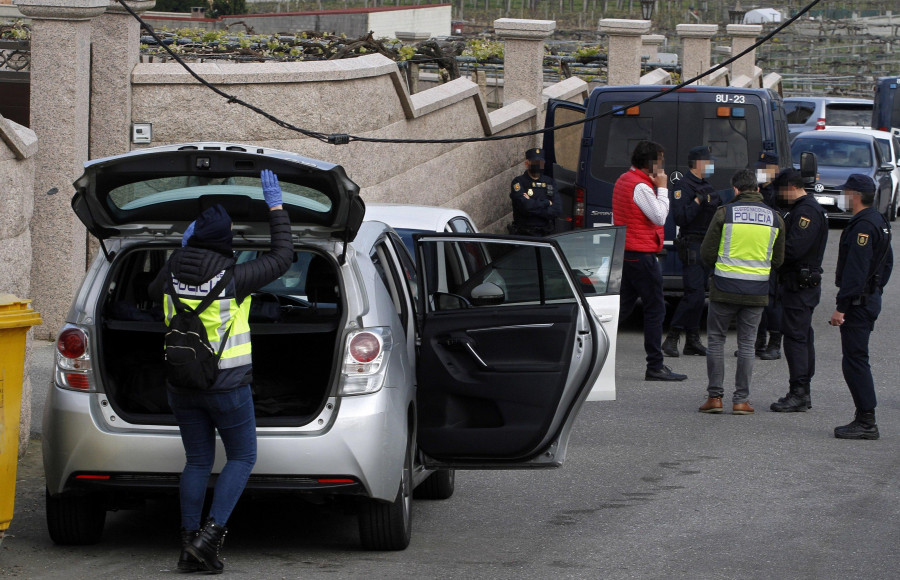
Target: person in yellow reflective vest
column 191, row 273
column 744, row 242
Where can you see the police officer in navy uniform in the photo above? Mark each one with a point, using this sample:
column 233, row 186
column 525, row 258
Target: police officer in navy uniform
column 694, row 202
column 766, row 171
column 799, row 285
column 533, row 198
column 865, row 261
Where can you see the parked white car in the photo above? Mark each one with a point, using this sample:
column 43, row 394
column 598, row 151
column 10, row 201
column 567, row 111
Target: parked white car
column 889, row 146
column 407, row 219
column 372, row 375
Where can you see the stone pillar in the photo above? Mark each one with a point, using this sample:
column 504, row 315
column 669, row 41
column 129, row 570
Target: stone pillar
column 650, row 45
column 60, row 104
column 624, row 60
column 743, row 36
column 115, row 40
column 696, row 41
column 523, row 59
column 18, row 146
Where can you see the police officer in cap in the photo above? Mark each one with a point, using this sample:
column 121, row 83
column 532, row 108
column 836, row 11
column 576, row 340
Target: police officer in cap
column 865, row 261
column 766, row 171
column 799, row 285
column 694, row 202
column 533, row 201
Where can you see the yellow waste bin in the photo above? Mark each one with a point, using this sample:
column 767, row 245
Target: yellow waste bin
column 16, row 317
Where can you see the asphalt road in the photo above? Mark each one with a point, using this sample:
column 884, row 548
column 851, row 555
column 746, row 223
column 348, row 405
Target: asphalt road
column 651, row 489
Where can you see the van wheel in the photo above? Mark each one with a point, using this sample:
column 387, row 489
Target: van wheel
column 438, row 485
column 388, row 526
column 75, row 520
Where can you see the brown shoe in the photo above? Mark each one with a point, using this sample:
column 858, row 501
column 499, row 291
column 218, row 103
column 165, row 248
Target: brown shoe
column 712, row 405
column 742, row 409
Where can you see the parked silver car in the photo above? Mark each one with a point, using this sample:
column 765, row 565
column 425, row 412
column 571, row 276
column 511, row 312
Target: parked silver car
column 495, row 331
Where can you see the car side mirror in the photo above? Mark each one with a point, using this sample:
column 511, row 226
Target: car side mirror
column 487, row 294
column 809, row 167
column 886, row 167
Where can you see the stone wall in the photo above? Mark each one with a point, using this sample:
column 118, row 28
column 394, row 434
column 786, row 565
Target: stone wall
column 363, row 96
column 18, row 145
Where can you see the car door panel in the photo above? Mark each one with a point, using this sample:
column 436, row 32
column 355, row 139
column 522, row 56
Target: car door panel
column 595, row 257
column 497, row 385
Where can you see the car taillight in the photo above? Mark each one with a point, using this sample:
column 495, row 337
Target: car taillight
column 365, row 360
column 71, row 343
column 820, row 124
column 578, row 221
column 73, row 361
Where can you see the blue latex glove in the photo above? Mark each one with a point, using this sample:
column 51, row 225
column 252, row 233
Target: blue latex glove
column 188, row 232
column 270, row 187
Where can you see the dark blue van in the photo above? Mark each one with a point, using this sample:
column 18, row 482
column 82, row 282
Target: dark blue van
column 586, row 160
column 886, row 114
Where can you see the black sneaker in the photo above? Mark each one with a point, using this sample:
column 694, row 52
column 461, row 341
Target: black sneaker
column 663, row 374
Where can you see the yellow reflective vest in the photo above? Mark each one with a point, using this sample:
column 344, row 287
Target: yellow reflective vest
column 744, row 259
column 221, row 313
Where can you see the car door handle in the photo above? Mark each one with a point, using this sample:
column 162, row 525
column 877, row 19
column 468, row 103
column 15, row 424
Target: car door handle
column 605, row 317
column 468, row 343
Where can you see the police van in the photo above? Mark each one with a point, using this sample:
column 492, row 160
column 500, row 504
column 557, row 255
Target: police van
column 886, row 114
column 587, row 159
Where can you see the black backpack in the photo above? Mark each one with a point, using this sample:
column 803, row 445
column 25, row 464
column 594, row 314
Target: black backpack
column 191, row 362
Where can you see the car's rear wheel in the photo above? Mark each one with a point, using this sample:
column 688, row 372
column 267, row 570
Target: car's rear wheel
column 388, row 525
column 75, row 520
column 438, row 485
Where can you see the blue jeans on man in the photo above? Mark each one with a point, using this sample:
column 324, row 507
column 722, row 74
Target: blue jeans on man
column 200, row 415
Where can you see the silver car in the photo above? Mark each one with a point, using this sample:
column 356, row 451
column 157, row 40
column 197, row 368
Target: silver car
column 372, row 376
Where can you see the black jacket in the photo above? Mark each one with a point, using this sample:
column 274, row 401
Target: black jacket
column 691, row 217
column 198, row 265
column 807, row 233
column 864, row 243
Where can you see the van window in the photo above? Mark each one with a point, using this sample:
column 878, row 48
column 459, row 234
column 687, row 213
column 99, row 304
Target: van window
column 567, row 141
column 615, row 136
column 798, row 111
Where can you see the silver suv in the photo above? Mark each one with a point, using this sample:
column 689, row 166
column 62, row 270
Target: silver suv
column 494, row 331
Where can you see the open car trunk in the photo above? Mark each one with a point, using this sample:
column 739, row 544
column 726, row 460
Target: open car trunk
column 294, row 324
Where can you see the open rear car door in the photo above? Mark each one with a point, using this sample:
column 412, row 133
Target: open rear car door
column 509, row 350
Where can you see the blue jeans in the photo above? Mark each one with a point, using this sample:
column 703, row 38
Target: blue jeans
column 199, row 416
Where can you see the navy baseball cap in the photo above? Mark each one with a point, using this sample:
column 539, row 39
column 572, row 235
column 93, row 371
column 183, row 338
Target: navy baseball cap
column 766, row 159
column 701, row 153
column 859, row 182
column 536, row 154
column 789, row 176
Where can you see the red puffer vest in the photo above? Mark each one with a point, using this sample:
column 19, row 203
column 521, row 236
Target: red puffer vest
column 642, row 234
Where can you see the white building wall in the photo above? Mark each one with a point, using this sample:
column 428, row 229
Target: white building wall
column 433, row 20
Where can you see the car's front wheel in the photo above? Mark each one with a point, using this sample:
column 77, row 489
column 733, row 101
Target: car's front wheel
column 388, row 525
column 75, row 520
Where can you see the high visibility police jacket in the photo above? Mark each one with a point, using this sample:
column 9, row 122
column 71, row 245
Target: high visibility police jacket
column 196, row 270
column 744, row 242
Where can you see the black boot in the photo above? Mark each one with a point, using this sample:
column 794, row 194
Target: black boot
column 186, row 562
column 773, row 349
column 692, row 344
column 805, row 396
column 862, row 427
column 670, row 344
column 205, row 547
column 796, row 401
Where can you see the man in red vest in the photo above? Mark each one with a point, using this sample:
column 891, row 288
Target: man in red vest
column 641, row 202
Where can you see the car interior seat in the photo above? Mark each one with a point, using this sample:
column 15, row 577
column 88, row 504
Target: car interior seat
column 321, row 282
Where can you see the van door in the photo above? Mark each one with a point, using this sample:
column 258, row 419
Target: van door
column 508, row 352
column 562, row 148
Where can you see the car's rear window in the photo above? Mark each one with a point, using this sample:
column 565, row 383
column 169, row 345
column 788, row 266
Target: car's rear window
column 834, row 152
column 174, row 188
column 798, row 112
column 848, row 115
